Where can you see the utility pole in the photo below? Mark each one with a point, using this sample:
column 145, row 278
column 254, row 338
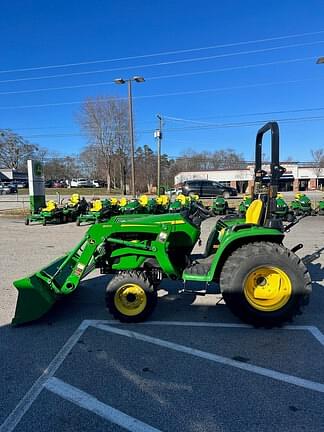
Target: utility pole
column 158, row 136
column 131, row 133
column 138, row 79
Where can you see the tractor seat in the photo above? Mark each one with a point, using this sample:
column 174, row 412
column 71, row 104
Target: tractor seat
column 75, row 199
column 50, row 206
column 96, row 206
column 255, row 213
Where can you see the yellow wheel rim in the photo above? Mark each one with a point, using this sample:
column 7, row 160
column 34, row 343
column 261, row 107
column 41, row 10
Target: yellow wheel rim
column 267, row 289
column 130, row 299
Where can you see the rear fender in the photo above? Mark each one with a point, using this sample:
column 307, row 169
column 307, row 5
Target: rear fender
column 235, row 239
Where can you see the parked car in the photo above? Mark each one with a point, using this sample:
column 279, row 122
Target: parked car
column 59, row 184
column 6, row 188
column 81, row 182
column 49, row 183
column 20, row 184
column 207, row 188
column 95, row 183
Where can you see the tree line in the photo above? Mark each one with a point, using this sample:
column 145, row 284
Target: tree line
column 106, row 155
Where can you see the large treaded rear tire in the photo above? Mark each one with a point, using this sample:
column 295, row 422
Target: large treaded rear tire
column 247, row 259
column 128, row 278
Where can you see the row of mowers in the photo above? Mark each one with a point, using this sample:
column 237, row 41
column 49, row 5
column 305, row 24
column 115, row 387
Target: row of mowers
column 80, row 211
column 300, row 206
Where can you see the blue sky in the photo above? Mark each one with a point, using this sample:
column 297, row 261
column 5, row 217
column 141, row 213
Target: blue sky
column 40, row 33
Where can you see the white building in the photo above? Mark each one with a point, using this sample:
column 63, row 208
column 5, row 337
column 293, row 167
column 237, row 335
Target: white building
column 298, row 176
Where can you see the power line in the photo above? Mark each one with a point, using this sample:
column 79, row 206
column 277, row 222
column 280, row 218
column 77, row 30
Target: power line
column 197, row 121
column 249, row 66
column 189, row 128
column 166, row 63
column 25, row 69
column 183, row 93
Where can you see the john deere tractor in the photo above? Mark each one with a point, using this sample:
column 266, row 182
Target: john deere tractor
column 219, row 206
column 51, row 213
column 261, row 281
column 321, row 207
column 302, row 205
column 180, row 203
column 282, row 210
column 98, row 210
column 74, row 208
column 244, row 205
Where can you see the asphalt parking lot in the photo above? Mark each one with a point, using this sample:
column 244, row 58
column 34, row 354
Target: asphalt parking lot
column 192, row 367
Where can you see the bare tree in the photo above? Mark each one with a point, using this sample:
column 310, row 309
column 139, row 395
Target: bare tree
column 104, row 121
column 15, row 150
column 318, row 158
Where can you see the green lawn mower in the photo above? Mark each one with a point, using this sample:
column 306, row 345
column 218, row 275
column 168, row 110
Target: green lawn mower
column 282, row 210
column 321, row 207
column 262, row 282
column 140, row 205
column 74, row 208
column 180, row 203
column 98, row 210
column 50, row 213
column 244, row 205
column 302, row 205
column 219, row 206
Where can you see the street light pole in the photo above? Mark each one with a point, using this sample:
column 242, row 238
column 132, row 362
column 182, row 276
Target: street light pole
column 131, row 133
column 138, row 79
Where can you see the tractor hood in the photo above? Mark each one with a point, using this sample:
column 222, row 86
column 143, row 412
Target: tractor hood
column 138, row 219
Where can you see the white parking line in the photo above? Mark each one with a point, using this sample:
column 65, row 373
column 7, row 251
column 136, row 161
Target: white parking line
column 25, row 403
column 315, row 331
column 279, row 376
column 90, row 403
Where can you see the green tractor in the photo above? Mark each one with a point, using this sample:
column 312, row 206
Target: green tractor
column 261, row 281
column 321, row 207
column 244, row 205
column 180, row 203
column 162, row 204
column 282, row 210
column 140, row 205
column 219, row 206
column 51, row 213
column 302, row 205
column 74, row 208
column 98, row 210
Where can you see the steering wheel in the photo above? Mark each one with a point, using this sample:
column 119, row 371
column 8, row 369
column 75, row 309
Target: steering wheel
column 196, row 213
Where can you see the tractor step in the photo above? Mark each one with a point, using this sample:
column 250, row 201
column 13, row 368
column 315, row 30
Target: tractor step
column 199, row 265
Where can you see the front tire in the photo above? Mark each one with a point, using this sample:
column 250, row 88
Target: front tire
column 265, row 284
column 131, row 297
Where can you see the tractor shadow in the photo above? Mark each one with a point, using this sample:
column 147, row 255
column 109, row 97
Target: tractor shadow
column 88, row 302
column 316, row 270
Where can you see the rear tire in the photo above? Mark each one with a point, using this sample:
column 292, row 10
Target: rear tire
column 275, row 266
column 131, row 297
column 26, row 221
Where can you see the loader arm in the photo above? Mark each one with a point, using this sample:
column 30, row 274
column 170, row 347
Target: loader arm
column 39, row 292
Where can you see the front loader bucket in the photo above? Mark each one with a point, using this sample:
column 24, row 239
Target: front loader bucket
column 39, row 292
column 36, row 293
column 35, row 298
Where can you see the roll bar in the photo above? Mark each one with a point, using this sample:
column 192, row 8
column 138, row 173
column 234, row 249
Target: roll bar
column 276, row 170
